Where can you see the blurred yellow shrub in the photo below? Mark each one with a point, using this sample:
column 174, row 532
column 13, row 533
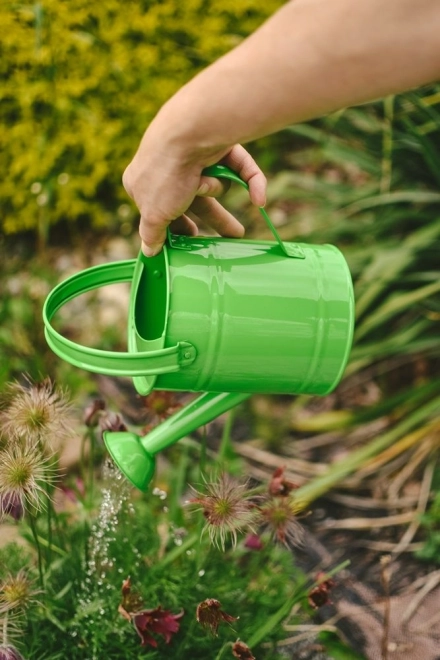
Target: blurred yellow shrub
column 80, row 82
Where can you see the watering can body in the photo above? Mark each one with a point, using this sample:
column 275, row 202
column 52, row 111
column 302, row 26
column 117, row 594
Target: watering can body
column 249, row 319
column 222, row 316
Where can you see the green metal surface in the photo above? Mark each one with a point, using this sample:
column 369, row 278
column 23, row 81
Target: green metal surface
column 222, row 316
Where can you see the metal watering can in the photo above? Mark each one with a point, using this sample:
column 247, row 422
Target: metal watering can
column 226, row 317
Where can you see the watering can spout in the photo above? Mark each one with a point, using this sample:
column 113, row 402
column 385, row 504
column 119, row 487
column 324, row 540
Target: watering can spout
column 135, row 455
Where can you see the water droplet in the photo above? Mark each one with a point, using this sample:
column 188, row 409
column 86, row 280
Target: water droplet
column 201, row 573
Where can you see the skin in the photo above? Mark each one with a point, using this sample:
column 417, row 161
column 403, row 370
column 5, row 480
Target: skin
column 310, row 58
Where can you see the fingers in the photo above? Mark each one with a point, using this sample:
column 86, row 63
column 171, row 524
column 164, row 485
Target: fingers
column 153, row 237
column 217, row 217
column 212, row 187
column 184, row 225
column 242, row 162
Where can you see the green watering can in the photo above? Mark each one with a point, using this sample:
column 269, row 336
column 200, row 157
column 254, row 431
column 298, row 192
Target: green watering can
column 221, row 316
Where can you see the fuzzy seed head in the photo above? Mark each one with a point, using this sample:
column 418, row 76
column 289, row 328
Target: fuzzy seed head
column 38, row 412
column 16, row 592
column 228, row 509
column 279, row 517
column 23, row 472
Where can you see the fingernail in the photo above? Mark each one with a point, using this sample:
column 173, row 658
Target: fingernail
column 151, row 250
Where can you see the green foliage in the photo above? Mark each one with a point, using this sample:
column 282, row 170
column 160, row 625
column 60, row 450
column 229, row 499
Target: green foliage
column 77, row 613
column 430, row 522
column 368, row 180
column 81, row 82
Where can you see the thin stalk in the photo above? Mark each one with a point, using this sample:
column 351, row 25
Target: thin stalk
column 38, row 547
column 223, row 648
column 5, row 630
column 202, row 460
column 225, row 449
column 285, row 609
column 336, row 473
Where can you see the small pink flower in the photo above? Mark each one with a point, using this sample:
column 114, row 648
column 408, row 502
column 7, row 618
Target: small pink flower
column 209, row 614
column 253, row 542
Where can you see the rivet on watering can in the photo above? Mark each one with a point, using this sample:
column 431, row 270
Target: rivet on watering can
column 157, row 274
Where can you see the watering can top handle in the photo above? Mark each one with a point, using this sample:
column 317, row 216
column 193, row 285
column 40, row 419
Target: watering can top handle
column 223, row 172
column 110, row 363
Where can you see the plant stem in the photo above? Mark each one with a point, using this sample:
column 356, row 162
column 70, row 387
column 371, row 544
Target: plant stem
column 223, row 648
column 38, row 547
column 225, row 450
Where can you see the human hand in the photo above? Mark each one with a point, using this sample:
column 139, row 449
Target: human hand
column 169, row 188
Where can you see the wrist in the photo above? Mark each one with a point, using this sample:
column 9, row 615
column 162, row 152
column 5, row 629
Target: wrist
column 178, row 132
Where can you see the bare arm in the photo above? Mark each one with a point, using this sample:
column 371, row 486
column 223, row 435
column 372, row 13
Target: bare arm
column 311, row 57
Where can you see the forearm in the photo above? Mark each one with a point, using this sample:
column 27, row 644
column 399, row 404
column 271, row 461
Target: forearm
column 311, row 57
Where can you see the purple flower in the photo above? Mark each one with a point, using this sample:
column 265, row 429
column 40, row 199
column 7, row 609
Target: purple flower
column 11, row 505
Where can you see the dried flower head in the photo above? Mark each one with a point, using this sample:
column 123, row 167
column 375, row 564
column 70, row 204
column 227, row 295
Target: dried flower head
column 9, row 653
column 278, row 515
column 17, row 592
column 39, row 412
column 320, row 595
column 209, row 614
column 23, row 472
column 131, row 600
column 242, row 651
column 279, row 485
column 228, row 508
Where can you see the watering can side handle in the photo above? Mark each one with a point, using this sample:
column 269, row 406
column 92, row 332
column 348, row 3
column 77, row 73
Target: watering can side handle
column 110, row 363
column 223, row 172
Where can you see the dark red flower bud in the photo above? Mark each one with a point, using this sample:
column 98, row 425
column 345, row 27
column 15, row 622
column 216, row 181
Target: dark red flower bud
column 93, row 411
column 319, row 595
column 253, row 542
column 279, row 485
column 9, row 653
column 242, row 651
column 11, row 505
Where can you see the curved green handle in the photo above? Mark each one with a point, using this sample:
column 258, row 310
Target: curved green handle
column 223, row 172
column 110, row 363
